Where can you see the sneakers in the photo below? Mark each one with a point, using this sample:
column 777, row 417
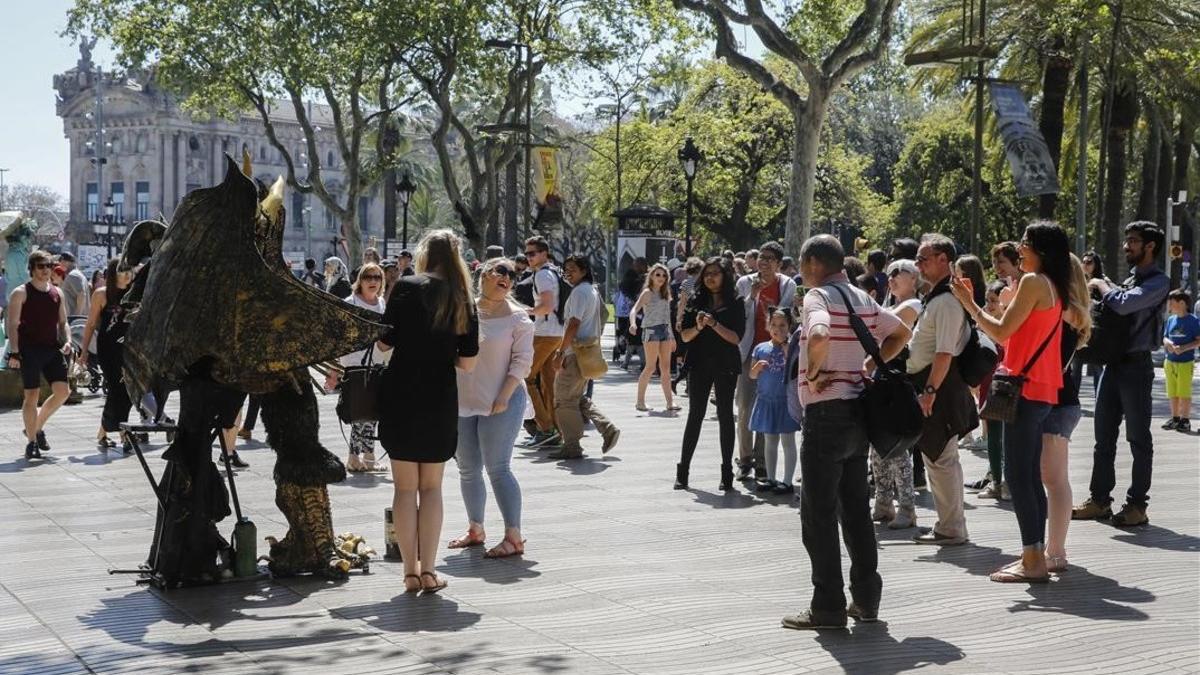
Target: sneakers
column 541, row 439
column 865, row 615
column 32, row 451
column 997, row 491
column 41, row 442
column 1130, row 515
column 905, row 518
column 1171, row 424
column 807, row 620
column 882, row 513
column 1091, row 510
column 610, row 439
column 744, row 469
column 981, row 483
column 566, row 453
column 1184, row 426
column 938, row 539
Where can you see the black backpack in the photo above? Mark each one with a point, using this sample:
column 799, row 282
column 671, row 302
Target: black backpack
column 1111, row 332
column 525, row 293
column 979, row 356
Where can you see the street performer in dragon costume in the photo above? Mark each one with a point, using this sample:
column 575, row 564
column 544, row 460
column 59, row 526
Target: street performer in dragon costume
column 217, row 314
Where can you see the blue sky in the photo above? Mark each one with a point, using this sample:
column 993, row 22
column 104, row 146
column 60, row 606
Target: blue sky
column 32, row 145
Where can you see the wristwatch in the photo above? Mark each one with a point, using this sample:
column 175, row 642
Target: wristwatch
column 929, row 390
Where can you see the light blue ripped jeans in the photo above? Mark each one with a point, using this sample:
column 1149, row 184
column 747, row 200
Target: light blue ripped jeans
column 487, row 441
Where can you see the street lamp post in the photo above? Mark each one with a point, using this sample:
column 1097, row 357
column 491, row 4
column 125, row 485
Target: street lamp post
column 405, row 189
column 690, row 158
column 109, row 211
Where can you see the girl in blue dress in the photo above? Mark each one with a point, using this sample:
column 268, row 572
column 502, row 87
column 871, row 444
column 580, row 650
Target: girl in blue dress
column 770, row 416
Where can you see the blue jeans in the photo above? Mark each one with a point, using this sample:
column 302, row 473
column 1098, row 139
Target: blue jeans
column 833, row 470
column 1023, row 469
column 1124, row 392
column 487, row 441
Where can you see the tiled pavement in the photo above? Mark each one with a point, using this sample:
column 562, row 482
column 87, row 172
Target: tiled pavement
column 623, row 574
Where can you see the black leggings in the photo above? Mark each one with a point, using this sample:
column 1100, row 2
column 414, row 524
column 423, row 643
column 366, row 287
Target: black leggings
column 116, row 396
column 701, row 382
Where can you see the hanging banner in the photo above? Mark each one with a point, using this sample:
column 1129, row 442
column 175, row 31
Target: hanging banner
column 1029, row 158
column 546, row 185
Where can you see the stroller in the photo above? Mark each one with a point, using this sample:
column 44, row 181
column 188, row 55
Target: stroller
column 92, row 379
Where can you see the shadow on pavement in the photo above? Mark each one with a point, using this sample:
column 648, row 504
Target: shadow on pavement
column 733, row 499
column 22, row 464
column 412, row 612
column 1090, row 596
column 470, row 563
column 870, row 650
column 1153, row 536
column 978, row 560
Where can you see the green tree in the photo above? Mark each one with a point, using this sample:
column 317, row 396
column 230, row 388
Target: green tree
column 813, row 50
column 228, row 56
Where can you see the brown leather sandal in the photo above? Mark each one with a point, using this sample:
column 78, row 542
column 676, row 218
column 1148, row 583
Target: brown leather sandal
column 407, row 589
column 467, row 540
column 506, row 548
column 440, row 583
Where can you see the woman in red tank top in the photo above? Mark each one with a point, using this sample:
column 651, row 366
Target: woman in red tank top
column 1032, row 319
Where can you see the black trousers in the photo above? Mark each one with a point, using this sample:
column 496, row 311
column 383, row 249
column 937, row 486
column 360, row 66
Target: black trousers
column 833, row 469
column 116, row 397
column 701, row 382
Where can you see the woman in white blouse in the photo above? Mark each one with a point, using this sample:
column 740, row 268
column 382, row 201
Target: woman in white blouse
column 368, row 293
column 491, row 405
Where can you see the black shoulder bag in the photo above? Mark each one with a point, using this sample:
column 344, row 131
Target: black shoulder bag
column 1005, row 392
column 889, row 400
column 359, row 397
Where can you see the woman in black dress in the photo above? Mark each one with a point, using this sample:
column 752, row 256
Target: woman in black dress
column 712, row 326
column 107, row 322
column 435, row 331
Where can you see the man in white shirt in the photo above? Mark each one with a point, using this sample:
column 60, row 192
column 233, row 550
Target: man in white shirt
column 547, row 339
column 583, row 322
column 940, row 334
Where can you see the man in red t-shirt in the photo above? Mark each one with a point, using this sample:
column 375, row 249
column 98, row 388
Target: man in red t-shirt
column 761, row 291
column 37, row 346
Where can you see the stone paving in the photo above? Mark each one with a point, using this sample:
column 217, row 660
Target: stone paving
column 622, row 575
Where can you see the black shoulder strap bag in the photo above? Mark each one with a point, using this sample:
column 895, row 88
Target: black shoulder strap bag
column 889, row 400
column 359, row 398
column 1005, row 391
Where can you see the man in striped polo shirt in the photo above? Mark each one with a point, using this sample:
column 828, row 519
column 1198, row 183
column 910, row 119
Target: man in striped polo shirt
column 833, row 452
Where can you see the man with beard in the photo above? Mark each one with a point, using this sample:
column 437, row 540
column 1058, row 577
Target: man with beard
column 1124, row 390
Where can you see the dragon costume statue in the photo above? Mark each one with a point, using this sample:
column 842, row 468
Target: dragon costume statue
column 216, row 313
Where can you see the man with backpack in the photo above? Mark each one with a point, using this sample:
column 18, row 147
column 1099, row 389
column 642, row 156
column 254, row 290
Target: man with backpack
column 546, row 310
column 1126, row 331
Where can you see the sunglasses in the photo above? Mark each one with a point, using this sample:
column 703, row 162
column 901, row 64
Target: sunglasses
column 371, row 277
column 503, row 271
column 895, row 273
column 44, row 266
column 532, row 252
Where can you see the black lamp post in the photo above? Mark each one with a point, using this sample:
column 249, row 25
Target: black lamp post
column 690, row 158
column 109, row 210
column 405, row 189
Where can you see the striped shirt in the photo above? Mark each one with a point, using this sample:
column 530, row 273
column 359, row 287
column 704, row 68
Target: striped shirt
column 823, row 306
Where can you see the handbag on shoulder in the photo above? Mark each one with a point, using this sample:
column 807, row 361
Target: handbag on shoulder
column 889, row 400
column 591, row 360
column 359, row 397
column 1005, row 391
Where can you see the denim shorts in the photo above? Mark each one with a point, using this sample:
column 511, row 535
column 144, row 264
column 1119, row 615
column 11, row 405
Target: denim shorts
column 659, row 333
column 1062, row 421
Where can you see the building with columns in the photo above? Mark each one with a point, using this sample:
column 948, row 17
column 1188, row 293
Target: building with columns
column 153, row 153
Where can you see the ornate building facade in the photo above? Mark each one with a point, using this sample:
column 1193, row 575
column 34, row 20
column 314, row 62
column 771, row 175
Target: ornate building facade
column 152, row 153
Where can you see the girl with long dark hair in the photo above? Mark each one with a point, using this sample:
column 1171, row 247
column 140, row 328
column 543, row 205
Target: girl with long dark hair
column 1032, row 327
column 712, row 326
column 107, row 322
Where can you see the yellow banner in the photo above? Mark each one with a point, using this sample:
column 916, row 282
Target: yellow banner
column 545, row 173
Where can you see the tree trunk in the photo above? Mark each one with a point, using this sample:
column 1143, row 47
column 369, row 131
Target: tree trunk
column 1183, row 149
column 352, row 238
column 1166, row 164
column 1124, row 115
column 806, row 139
column 1055, row 82
column 1149, row 182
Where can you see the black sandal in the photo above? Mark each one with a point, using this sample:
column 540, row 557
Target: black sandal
column 441, row 583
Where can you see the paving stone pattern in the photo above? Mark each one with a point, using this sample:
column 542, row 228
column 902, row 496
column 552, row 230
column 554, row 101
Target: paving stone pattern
column 622, row 575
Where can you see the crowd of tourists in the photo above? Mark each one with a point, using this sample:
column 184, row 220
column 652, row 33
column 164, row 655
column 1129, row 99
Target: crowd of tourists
column 779, row 345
